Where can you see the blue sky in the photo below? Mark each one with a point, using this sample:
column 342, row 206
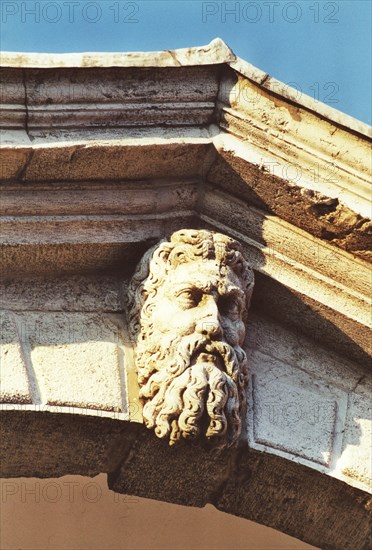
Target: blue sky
column 322, row 48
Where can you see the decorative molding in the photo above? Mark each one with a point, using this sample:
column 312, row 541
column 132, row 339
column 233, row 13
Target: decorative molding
column 214, row 53
column 293, row 144
column 280, row 89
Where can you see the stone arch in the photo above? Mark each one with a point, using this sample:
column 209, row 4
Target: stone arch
column 272, row 477
column 260, row 486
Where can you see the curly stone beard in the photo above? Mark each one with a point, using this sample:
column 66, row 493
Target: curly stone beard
column 192, row 386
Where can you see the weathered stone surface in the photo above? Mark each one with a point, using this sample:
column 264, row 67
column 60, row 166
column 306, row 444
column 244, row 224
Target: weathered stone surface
column 78, row 359
column 295, row 96
column 43, row 444
column 301, row 351
column 186, row 474
column 275, row 186
column 65, row 359
column 125, row 98
column 15, row 385
column 278, row 238
column 47, row 259
column 292, row 412
column 305, row 148
column 304, row 393
column 355, row 461
column 12, row 160
column 215, row 52
column 98, row 199
column 292, row 498
column 76, row 293
column 321, row 322
column 12, row 98
column 110, row 161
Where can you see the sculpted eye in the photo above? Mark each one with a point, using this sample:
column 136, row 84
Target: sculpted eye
column 189, row 298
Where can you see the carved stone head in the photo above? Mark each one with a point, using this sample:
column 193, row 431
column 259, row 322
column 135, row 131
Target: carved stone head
column 188, row 302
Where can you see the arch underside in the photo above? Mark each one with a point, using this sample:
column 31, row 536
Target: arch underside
column 256, row 485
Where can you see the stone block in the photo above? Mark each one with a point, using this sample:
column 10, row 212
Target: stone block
column 297, row 500
column 112, row 160
column 356, row 458
column 97, row 199
column 78, row 359
column 293, row 413
column 58, row 259
column 14, row 378
column 12, row 162
column 43, row 444
column 187, row 474
column 74, row 293
column 299, row 350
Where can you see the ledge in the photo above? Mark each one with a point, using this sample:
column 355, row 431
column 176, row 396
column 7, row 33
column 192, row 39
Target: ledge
column 215, row 52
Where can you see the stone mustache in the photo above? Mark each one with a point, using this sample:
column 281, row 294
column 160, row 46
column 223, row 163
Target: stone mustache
column 188, row 302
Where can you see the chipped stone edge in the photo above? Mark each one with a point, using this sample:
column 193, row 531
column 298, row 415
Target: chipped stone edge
column 214, row 53
column 356, row 197
column 265, row 81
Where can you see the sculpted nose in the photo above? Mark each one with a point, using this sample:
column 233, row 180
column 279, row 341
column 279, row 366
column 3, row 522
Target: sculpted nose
column 209, row 323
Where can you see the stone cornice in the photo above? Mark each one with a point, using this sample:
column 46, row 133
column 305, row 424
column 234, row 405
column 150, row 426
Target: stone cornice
column 296, row 144
column 328, row 199
column 282, row 90
column 49, row 101
column 215, row 52
column 103, row 152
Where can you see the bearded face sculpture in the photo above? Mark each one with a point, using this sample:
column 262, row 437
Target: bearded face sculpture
column 188, row 302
